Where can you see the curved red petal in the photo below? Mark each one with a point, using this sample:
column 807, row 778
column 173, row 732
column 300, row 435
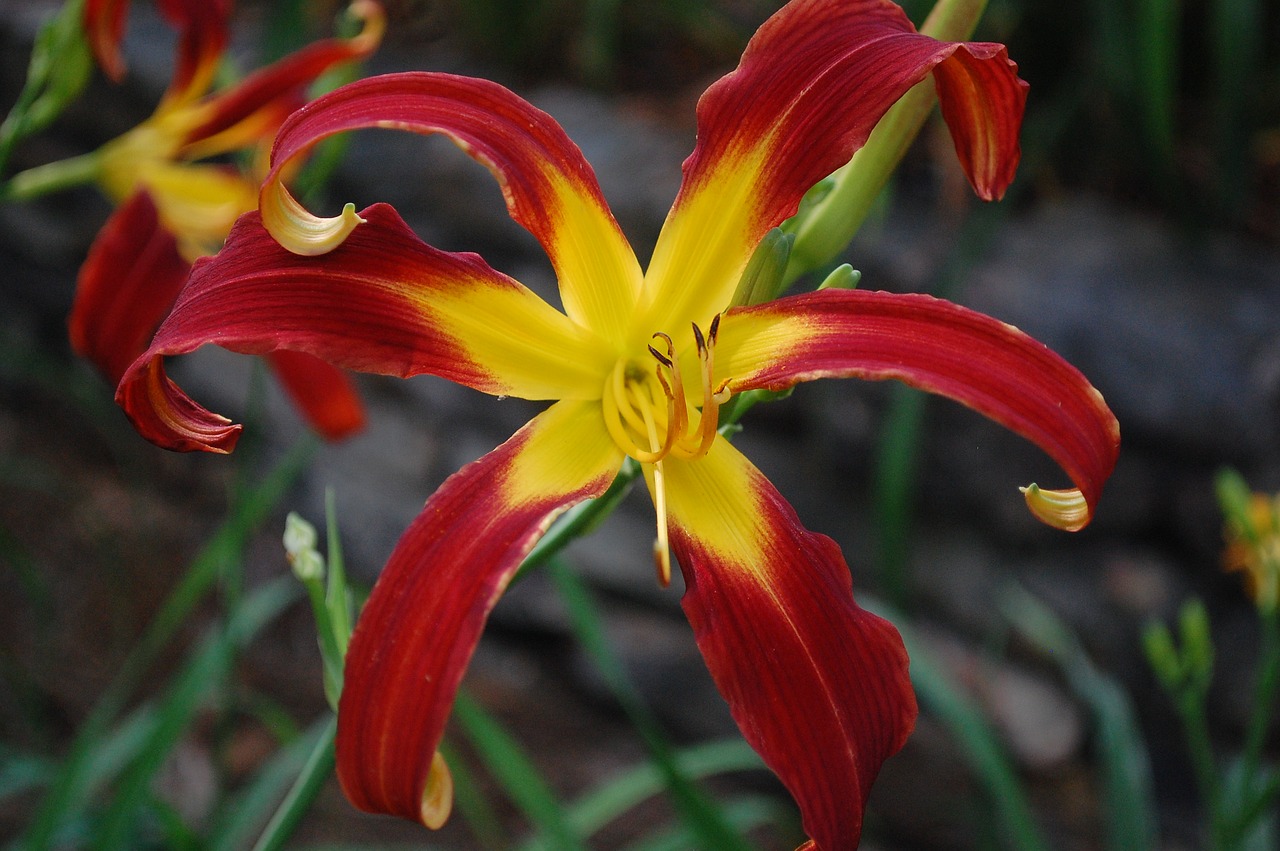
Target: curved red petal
column 421, row 624
column 548, row 186
column 934, row 345
column 103, row 22
column 263, row 99
column 383, row 302
column 127, row 284
column 203, row 29
column 323, row 393
column 167, row 417
column 812, row 84
column 818, row 685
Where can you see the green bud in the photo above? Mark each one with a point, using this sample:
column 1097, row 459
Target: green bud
column 308, row 565
column 761, row 280
column 1162, row 655
column 299, row 534
column 300, row 548
column 1197, row 645
column 842, row 277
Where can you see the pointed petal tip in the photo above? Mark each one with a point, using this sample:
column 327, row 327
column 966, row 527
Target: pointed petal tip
column 437, row 795
column 1062, row 509
column 299, row 230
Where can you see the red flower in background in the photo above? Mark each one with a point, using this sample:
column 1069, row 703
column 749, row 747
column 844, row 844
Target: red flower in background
column 173, row 206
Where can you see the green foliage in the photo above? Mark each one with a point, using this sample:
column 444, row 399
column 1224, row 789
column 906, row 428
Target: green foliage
column 58, row 71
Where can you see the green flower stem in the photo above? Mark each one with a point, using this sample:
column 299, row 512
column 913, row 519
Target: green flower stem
column 52, row 177
column 1195, row 723
column 1264, row 699
column 832, row 222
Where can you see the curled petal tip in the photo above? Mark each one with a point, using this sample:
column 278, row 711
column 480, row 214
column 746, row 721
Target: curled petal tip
column 1062, row 509
column 297, row 229
column 437, row 795
column 373, row 21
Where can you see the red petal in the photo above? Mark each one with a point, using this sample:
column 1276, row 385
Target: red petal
column 936, row 346
column 818, row 685
column 812, row 84
column 126, row 286
column 202, row 27
column 382, row 302
column 548, row 186
column 104, row 29
column 416, row 634
column 263, row 99
column 322, row 392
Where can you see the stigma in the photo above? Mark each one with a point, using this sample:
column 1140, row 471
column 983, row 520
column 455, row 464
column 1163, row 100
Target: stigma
column 651, row 416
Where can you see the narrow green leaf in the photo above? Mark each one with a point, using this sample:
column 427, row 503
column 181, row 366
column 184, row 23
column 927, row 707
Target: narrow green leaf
column 470, row 803
column 1128, row 797
column 60, row 66
column 699, row 812
column 204, row 669
column 979, row 742
column 515, row 772
column 611, row 800
column 65, row 797
column 236, row 820
column 302, row 794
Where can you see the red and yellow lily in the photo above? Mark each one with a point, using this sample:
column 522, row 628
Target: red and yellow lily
column 174, row 207
column 638, row 364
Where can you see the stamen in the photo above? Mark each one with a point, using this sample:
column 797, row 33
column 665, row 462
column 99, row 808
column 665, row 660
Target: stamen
column 662, row 543
column 614, row 413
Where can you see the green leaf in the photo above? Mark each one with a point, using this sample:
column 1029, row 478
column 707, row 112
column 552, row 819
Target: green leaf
column 1127, row 795
column 515, row 773
column 59, row 68
column 978, row 741
column 66, row 796
column 698, row 811
column 611, row 800
column 236, row 819
column 204, row 669
column 302, row 794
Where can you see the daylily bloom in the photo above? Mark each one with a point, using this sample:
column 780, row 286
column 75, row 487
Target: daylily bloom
column 173, row 207
column 639, row 364
column 1251, row 530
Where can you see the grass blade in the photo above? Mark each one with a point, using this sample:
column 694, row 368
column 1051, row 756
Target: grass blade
column 66, row 794
column 1128, row 796
column 699, row 812
column 515, row 772
column 204, row 669
column 604, row 804
column 315, row 772
column 981, row 746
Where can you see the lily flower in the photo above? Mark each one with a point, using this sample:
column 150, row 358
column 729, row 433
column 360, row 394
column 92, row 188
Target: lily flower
column 174, row 207
column 636, row 364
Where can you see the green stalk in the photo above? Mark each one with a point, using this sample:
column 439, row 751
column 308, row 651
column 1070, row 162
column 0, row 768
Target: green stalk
column 1195, row 724
column 1264, row 699
column 52, row 177
column 832, row 222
